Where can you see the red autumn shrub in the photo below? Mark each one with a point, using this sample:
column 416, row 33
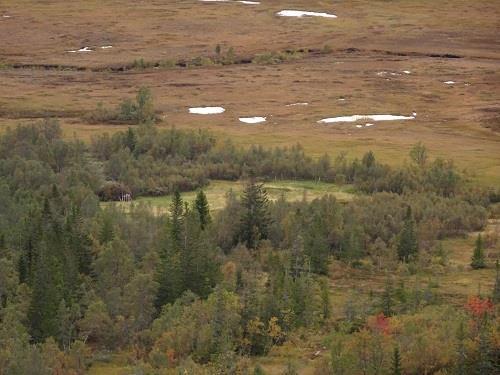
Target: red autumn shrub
column 479, row 307
column 380, row 324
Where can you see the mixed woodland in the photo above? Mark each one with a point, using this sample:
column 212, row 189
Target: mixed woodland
column 196, row 291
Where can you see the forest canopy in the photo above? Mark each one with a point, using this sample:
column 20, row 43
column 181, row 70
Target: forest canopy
column 201, row 291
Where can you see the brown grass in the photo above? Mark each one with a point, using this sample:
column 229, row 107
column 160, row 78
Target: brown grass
column 450, row 118
column 42, row 31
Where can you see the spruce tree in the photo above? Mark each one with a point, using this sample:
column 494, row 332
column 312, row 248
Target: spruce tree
column 107, row 231
column 255, row 219
column 200, row 268
column 169, row 275
column 351, row 247
column 43, row 312
column 396, row 362
column 317, row 248
column 130, row 139
column 485, row 362
column 32, row 230
column 461, row 363
column 477, row 260
column 297, row 259
column 176, row 220
column 496, row 288
column 388, row 299
column 408, row 243
column 325, row 299
column 78, row 242
column 203, row 209
column 2, row 244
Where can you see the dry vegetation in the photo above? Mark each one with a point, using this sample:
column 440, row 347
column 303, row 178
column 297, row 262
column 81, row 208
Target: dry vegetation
column 456, row 121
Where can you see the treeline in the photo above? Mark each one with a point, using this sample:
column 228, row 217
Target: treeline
column 149, row 161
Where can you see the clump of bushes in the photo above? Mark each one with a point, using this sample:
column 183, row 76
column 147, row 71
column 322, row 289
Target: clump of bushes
column 113, row 191
column 4, row 65
column 277, row 57
column 222, row 57
column 128, row 111
column 141, row 64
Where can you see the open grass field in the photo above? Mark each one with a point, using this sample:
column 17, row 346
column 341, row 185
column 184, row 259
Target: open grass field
column 458, row 121
column 217, row 192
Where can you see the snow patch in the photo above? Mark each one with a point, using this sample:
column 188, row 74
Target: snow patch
column 253, row 120
column 394, row 74
column 106, row 47
column 206, row 110
column 301, row 13
column 449, row 82
column 355, row 118
column 296, row 104
column 83, row 49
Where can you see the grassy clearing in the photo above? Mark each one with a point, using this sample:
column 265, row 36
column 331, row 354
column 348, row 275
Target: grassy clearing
column 217, row 191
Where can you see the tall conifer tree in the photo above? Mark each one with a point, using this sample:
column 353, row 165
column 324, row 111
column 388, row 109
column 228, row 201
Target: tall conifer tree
column 169, row 274
column 255, row 219
column 477, row 260
column 396, row 362
column 408, row 243
column 203, row 209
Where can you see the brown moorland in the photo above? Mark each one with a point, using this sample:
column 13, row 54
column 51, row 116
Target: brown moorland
column 355, row 65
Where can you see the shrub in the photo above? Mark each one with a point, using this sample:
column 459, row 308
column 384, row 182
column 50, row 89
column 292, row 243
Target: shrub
column 141, row 64
column 100, row 114
column 113, row 191
column 129, row 111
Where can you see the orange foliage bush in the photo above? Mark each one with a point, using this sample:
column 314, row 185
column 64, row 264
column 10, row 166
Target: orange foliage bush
column 380, row 324
column 479, row 307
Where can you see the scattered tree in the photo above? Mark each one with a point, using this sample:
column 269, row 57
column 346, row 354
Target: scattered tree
column 496, row 288
column 408, row 243
column 255, row 219
column 419, row 154
column 203, row 209
column 396, row 362
column 477, row 260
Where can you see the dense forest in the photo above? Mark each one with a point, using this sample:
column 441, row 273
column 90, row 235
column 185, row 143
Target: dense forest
column 196, row 291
